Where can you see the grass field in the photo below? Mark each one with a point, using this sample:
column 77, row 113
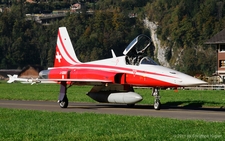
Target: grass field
column 49, row 92
column 43, row 125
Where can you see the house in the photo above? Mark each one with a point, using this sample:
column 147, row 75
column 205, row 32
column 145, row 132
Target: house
column 75, row 7
column 5, row 72
column 30, row 72
column 30, row 1
column 26, row 72
column 219, row 41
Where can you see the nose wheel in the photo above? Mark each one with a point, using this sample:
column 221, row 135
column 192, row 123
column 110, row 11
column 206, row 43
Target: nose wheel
column 155, row 93
column 157, row 104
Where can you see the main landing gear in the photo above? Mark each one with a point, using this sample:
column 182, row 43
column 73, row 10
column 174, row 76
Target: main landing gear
column 155, row 93
column 63, row 100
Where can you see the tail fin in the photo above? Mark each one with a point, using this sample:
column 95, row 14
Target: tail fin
column 64, row 55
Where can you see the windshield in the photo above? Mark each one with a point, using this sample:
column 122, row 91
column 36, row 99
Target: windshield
column 130, row 46
column 147, row 61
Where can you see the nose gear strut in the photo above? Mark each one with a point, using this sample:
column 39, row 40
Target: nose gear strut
column 155, row 93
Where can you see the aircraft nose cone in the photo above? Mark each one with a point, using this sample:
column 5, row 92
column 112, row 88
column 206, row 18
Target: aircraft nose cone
column 199, row 82
column 191, row 81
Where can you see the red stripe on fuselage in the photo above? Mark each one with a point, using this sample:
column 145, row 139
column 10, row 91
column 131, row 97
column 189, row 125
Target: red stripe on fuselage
column 138, row 80
column 85, row 74
column 118, row 68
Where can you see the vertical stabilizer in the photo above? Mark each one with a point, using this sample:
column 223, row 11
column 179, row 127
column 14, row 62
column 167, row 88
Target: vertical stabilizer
column 64, row 55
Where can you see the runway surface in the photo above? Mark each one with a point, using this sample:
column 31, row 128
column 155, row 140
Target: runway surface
column 207, row 114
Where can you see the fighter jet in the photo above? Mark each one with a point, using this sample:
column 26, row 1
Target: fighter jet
column 113, row 79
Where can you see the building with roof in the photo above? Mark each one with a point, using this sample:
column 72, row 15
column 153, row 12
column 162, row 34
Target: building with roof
column 219, row 41
column 30, row 72
column 75, row 7
column 26, row 72
column 5, row 72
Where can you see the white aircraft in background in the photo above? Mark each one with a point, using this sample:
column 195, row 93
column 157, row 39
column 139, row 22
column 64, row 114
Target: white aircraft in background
column 113, row 79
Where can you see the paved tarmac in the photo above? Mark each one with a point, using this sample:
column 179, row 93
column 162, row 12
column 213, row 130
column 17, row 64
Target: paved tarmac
column 207, row 114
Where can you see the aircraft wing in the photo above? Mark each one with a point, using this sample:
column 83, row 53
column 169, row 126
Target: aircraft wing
column 76, row 80
column 32, row 81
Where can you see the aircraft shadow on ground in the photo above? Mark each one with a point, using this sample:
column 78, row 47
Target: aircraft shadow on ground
column 193, row 105
column 188, row 105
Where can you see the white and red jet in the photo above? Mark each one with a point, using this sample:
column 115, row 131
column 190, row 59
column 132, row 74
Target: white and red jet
column 113, row 79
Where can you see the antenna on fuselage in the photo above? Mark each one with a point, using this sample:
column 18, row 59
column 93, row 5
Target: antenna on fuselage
column 113, row 54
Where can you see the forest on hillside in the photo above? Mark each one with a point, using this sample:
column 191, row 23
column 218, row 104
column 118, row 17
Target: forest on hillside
column 182, row 25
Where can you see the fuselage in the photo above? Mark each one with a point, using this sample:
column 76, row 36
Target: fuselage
column 115, row 70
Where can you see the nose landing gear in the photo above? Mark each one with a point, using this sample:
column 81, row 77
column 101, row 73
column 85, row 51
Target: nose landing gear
column 155, row 93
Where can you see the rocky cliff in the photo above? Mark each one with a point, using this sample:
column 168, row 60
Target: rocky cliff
column 160, row 50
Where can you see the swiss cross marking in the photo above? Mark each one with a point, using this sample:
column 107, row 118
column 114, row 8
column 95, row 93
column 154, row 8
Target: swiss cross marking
column 58, row 57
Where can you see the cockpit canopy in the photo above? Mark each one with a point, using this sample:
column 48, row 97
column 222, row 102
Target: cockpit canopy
column 140, row 43
column 135, row 51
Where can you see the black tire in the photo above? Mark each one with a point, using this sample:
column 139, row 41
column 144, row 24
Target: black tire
column 64, row 103
column 157, row 104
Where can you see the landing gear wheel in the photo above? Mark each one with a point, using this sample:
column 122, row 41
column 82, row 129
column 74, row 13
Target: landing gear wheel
column 157, row 104
column 64, row 103
column 130, row 105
